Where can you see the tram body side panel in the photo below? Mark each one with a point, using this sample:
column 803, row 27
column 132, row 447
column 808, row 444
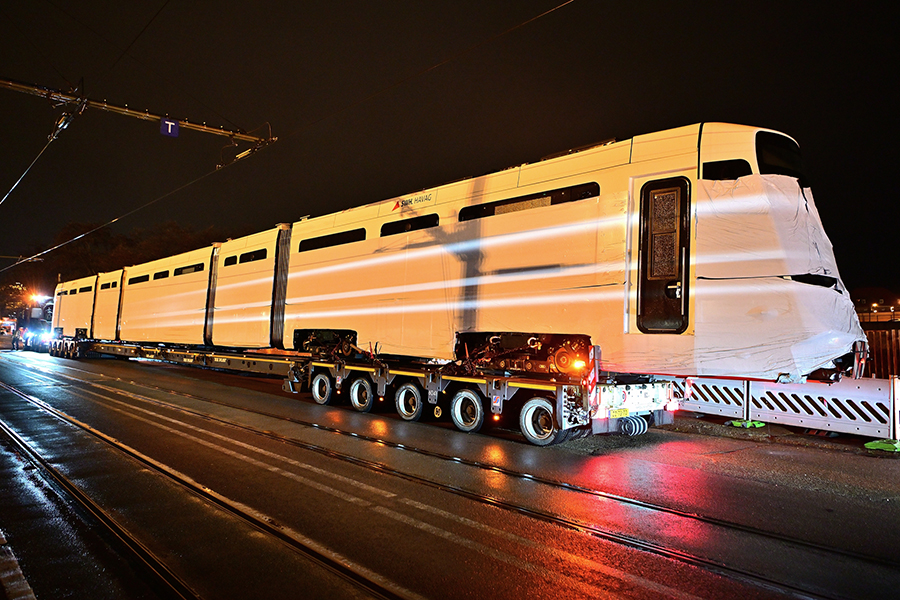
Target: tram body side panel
column 243, row 299
column 74, row 309
column 556, row 269
column 106, row 307
column 59, row 305
column 170, row 309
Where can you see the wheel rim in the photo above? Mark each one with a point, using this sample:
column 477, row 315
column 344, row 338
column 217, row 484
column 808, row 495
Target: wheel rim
column 540, row 422
column 467, row 412
column 360, row 394
column 408, row 402
column 321, row 389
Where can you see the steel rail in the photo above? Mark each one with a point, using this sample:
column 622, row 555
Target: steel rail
column 137, row 551
column 333, row 565
column 545, row 516
column 554, row 483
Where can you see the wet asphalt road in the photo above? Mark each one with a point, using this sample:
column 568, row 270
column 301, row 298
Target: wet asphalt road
column 419, row 524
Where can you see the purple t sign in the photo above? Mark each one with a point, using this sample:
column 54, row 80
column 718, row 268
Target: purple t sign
column 168, row 127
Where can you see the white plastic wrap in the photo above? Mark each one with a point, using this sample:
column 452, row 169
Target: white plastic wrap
column 752, row 235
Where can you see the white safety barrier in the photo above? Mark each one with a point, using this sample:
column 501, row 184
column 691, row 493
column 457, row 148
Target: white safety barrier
column 867, row 407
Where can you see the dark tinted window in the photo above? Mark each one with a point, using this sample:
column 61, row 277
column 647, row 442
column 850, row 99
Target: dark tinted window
column 160, row 275
column 560, row 196
column 138, row 279
column 778, row 155
column 63, row 293
column 85, row 289
column 73, row 292
column 407, row 225
column 252, row 256
column 726, row 169
column 334, row 239
column 231, row 260
column 189, row 269
column 105, row 286
column 115, row 284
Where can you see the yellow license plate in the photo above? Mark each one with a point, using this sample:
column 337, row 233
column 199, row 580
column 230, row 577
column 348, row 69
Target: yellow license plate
column 618, row 413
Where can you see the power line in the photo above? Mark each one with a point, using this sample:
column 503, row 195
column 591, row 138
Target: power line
column 125, row 51
column 49, row 141
column 355, row 104
column 141, row 63
column 452, row 57
column 120, row 217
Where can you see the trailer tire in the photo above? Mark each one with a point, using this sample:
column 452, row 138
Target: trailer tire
column 322, row 389
column 362, row 397
column 410, row 402
column 538, row 425
column 467, row 411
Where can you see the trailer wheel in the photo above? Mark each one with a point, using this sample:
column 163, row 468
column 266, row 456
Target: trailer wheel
column 467, row 411
column 362, row 398
column 538, row 425
column 409, row 401
column 322, row 389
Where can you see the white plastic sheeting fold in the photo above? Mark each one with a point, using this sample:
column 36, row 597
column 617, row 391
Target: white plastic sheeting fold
column 760, row 226
column 751, row 235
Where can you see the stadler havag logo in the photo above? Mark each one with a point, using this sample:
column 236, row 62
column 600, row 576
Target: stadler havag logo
column 407, row 202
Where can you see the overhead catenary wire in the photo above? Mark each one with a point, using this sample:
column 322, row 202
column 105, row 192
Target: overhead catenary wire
column 47, row 145
column 427, row 70
column 149, row 68
column 332, row 114
column 137, row 37
column 119, row 218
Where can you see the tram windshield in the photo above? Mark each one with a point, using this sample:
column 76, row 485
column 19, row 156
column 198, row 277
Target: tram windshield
column 779, row 155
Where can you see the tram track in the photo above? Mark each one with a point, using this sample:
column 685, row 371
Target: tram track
column 370, row 583
column 521, row 475
column 530, row 511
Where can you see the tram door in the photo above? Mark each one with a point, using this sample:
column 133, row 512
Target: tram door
column 664, row 253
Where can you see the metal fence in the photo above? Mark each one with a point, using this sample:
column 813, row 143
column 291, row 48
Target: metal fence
column 884, row 349
column 867, row 407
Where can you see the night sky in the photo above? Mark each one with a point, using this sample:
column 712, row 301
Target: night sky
column 376, row 99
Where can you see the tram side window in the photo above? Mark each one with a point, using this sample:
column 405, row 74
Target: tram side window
column 138, row 279
column 553, row 197
column 333, row 239
column 85, row 290
column 160, row 275
column 722, row 170
column 253, row 256
column 105, row 286
column 188, row 269
column 231, row 260
column 407, row 225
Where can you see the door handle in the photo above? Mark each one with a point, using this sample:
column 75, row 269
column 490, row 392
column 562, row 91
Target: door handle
column 673, row 290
